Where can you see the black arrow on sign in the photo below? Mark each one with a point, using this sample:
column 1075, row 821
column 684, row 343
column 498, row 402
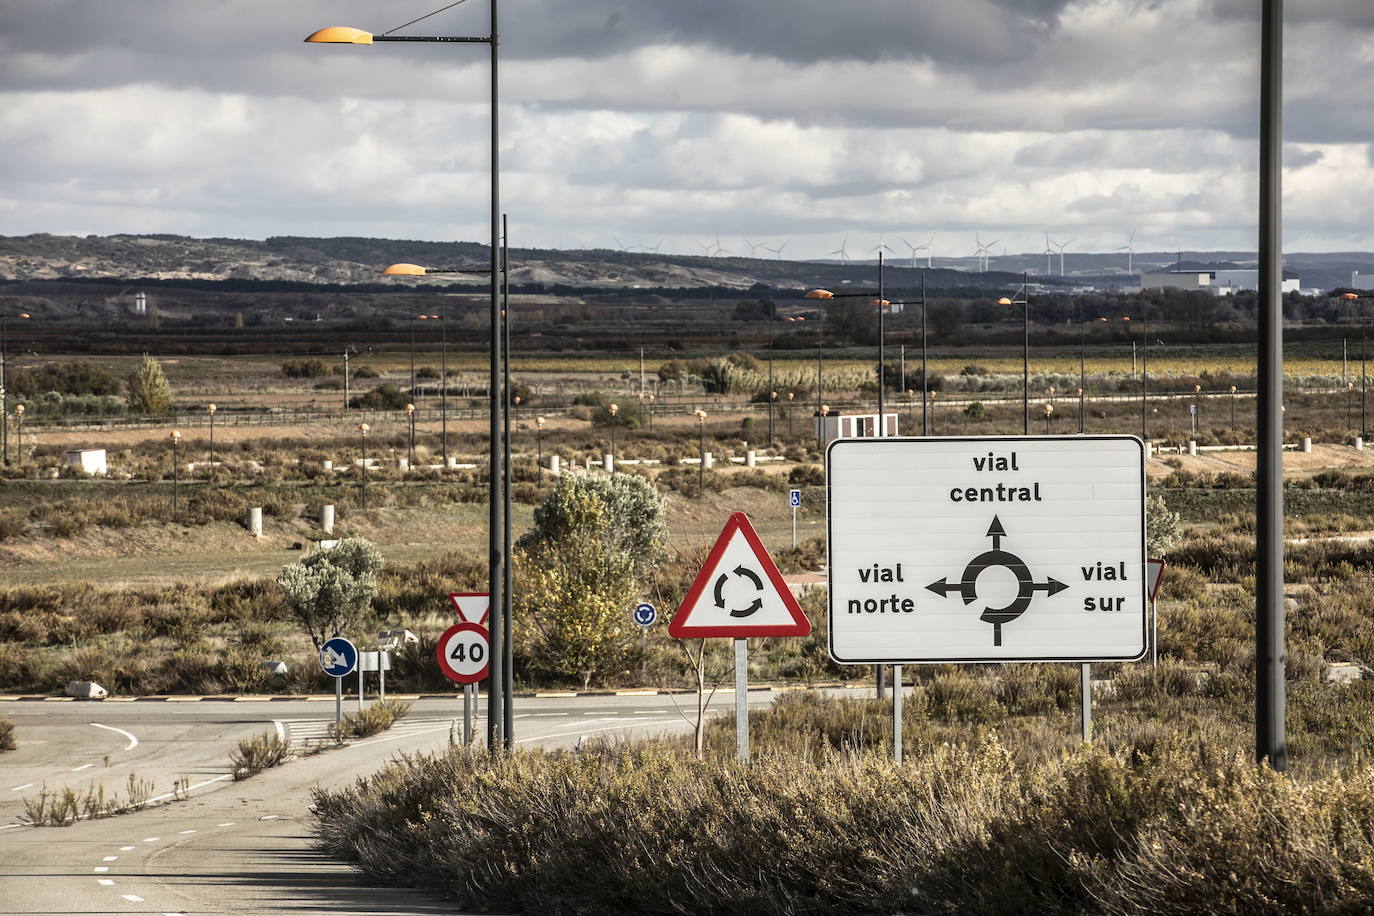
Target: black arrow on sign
column 996, row 532
column 943, row 588
column 1049, row 586
column 720, row 592
column 751, row 575
column 754, row 606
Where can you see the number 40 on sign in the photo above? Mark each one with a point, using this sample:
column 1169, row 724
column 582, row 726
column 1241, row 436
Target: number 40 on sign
column 463, row 653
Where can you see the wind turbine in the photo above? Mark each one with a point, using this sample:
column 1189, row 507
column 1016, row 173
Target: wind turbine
column 881, row 246
column 1048, row 251
column 777, row 251
column 982, row 252
column 1130, row 253
column 753, row 246
column 655, row 248
column 1061, row 246
column 844, row 255
column 621, row 245
column 721, row 250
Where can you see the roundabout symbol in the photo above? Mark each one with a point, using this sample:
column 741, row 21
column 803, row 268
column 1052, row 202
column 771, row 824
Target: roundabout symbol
column 743, row 572
column 967, row 587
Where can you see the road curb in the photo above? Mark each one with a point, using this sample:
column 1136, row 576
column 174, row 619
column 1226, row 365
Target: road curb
column 322, row 697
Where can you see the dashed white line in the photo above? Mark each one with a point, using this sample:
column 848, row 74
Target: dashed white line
column 102, row 868
column 84, row 766
column 132, row 898
column 125, row 848
column 12, row 826
column 27, row 785
column 226, row 824
column 151, row 839
column 184, row 832
column 109, row 858
column 189, row 789
column 269, row 817
column 105, row 882
column 133, row 742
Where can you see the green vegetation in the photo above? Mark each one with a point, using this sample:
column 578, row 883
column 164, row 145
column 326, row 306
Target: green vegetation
column 65, row 807
column 7, row 742
column 331, row 590
column 372, row 720
column 256, row 753
column 149, row 392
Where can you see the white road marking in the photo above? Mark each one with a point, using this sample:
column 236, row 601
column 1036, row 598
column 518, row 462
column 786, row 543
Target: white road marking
column 189, row 789
column 269, row 817
column 106, row 882
column 608, row 728
column 27, row 785
column 184, row 832
column 84, row 766
column 100, row 868
column 109, row 858
column 281, row 731
column 152, row 839
column 132, row 898
column 11, row 826
column 226, row 824
column 125, row 848
column 133, row 742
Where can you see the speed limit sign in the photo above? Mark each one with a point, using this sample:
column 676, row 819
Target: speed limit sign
column 463, row 652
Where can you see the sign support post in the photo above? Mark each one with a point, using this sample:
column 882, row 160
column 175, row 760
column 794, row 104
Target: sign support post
column 381, row 675
column 361, row 688
column 338, row 704
column 464, row 651
column 338, row 657
column 1086, row 679
column 742, row 699
column 468, row 690
column 897, row 714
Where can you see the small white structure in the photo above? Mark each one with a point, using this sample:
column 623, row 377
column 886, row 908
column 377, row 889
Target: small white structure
column 835, row 425
column 90, row 460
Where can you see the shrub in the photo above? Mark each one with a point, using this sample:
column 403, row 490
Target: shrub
column 257, row 753
column 7, row 742
column 383, row 397
column 373, row 719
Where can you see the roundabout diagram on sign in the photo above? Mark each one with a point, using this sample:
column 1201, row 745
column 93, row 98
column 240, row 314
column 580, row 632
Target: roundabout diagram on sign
column 967, row 586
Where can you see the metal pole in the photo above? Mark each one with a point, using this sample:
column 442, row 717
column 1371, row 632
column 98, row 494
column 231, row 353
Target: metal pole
column 820, row 383
column 1270, row 743
column 742, row 700
column 794, row 527
column 496, row 542
column 1144, row 372
column 381, row 675
column 701, row 460
column 1085, row 676
column 896, row 713
column 443, row 385
column 468, row 691
column 345, row 403
column 882, row 381
column 174, row 474
column 1082, row 371
column 1025, row 353
column 361, row 688
column 1154, row 634
column 4, row 389
column 412, row 358
column 771, row 309
column 925, row 378
column 508, row 661
column 338, row 707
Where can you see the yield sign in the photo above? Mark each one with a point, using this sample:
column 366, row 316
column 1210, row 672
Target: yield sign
column 472, row 607
column 739, row 592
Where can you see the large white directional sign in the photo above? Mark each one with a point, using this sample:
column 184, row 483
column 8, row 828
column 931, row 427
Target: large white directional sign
column 987, row 549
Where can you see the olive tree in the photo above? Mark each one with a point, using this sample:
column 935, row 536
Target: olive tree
column 330, row 590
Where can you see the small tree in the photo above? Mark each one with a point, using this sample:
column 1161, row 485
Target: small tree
column 623, row 511
column 148, row 388
column 330, row 590
column 1163, row 527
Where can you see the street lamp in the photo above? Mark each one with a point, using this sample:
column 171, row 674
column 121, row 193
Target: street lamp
column 539, row 447
column 212, row 408
column 652, row 398
column 772, row 308
column 701, row 453
column 4, row 383
column 499, row 716
column 1024, row 302
column 790, row 396
column 1049, row 414
column 613, row 410
column 362, row 429
column 410, row 447
column 18, row 433
column 1349, row 389
column 176, row 438
column 1197, row 410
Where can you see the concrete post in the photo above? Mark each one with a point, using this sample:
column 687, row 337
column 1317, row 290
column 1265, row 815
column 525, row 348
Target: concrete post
column 1307, row 443
column 255, row 521
column 750, row 458
column 327, row 518
column 1192, row 446
column 554, row 462
column 608, row 462
column 710, row 460
column 327, row 465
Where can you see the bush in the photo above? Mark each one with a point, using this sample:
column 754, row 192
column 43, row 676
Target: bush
column 373, row 719
column 7, row 742
column 383, row 397
column 258, row 753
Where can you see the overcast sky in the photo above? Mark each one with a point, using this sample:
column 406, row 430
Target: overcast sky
column 678, row 121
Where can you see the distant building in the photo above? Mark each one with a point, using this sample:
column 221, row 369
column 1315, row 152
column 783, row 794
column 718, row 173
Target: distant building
column 835, row 425
column 1216, row 282
column 90, row 460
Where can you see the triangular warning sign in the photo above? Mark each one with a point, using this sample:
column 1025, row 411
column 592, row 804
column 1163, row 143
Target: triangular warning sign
column 739, row 592
column 473, row 607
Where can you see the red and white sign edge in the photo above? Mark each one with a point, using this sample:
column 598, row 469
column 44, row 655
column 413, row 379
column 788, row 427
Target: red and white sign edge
column 474, row 607
column 699, row 601
column 448, row 670
column 1154, row 568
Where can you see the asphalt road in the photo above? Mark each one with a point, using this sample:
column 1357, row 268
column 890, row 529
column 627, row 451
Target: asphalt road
column 234, row 847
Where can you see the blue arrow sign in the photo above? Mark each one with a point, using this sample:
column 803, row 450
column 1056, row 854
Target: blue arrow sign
column 338, row 657
column 645, row 615
column 795, row 499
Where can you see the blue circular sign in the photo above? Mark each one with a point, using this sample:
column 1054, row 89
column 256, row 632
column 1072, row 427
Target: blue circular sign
column 338, row 657
column 645, row 614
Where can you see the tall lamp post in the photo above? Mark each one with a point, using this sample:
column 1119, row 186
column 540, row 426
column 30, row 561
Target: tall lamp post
column 701, row 453
column 211, row 409
column 19, row 433
column 4, row 383
column 362, row 486
column 1049, row 415
column 443, row 388
column 613, row 410
column 539, row 447
column 410, row 444
column 772, row 395
column 176, row 438
column 1364, row 365
column 497, row 734
column 1024, row 302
